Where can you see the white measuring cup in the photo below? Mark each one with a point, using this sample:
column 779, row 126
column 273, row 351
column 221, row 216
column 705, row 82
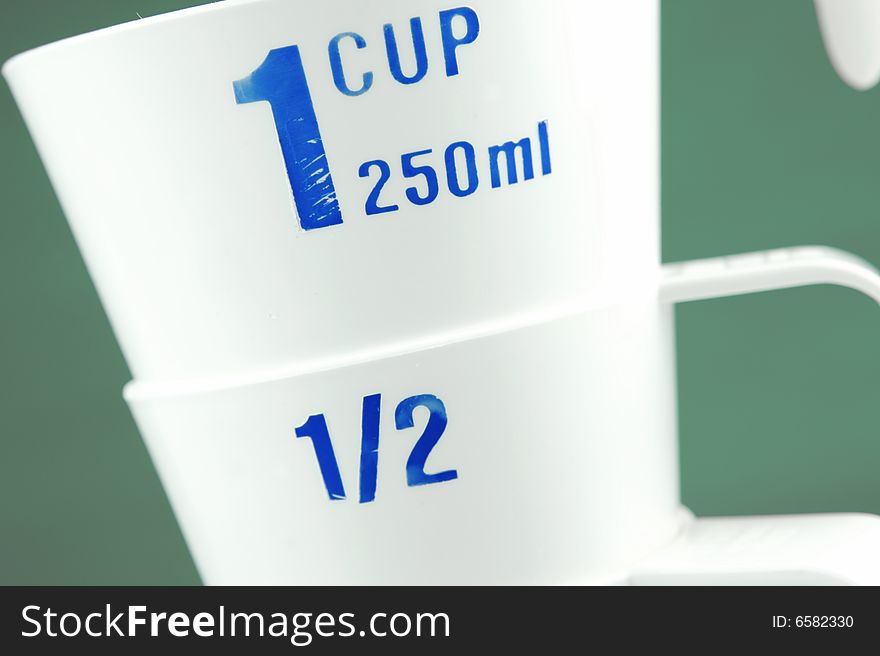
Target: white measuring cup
column 292, row 209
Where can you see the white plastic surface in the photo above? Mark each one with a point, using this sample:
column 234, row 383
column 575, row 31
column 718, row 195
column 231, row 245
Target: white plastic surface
column 562, row 435
column 563, row 432
column 179, row 200
column 765, row 270
column 538, row 313
column 834, row 549
column 851, row 32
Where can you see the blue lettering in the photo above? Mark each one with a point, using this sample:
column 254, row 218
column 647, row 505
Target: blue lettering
column 418, row 39
column 450, row 41
column 336, row 64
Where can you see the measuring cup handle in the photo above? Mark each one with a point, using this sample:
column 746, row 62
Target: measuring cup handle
column 805, row 549
column 765, row 270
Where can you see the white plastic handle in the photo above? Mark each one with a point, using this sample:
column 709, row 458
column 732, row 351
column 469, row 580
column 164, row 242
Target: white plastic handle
column 766, row 270
column 851, row 32
column 829, row 549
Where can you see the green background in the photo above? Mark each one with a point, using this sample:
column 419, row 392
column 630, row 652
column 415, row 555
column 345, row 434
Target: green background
column 763, row 147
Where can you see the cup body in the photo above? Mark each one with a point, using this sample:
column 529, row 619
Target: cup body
column 179, row 195
column 475, row 294
column 561, row 435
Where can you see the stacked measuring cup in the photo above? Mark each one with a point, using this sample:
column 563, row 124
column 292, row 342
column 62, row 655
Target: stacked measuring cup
column 386, row 276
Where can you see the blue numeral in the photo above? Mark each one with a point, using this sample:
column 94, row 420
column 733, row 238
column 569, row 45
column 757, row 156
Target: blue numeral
column 473, row 180
column 430, row 175
column 370, row 446
column 281, row 81
column 316, row 428
column 372, row 206
column 415, row 465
